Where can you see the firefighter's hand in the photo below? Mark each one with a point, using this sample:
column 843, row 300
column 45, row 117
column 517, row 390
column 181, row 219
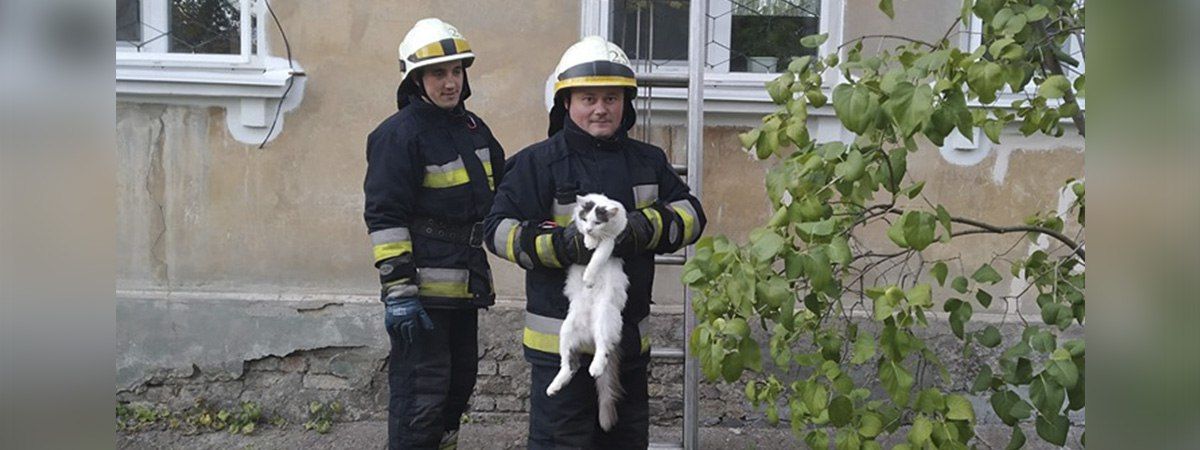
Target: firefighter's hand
column 403, row 316
column 573, row 246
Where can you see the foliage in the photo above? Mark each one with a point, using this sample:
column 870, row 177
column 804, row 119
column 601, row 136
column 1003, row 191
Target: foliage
column 806, row 274
column 322, row 415
column 200, row 417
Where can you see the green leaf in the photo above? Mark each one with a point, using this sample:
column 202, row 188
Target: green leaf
column 856, row 106
column 960, row 408
column 1017, row 440
column 914, row 190
column 992, row 129
column 1054, row 87
column 883, row 308
column 839, row 250
column 864, row 348
column 959, row 284
column 989, row 337
column 939, row 272
column 799, row 64
column 886, row 7
column 1047, row 397
column 920, row 295
column 930, row 401
column 896, row 380
column 852, row 168
column 797, row 131
column 1002, row 403
column 820, row 228
column 814, row 40
column 1053, row 429
column 870, row 425
column 1036, row 12
column 983, row 380
column 965, row 14
column 841, row 410
column 750, row 354
column 1063, row 371
column 910, row 106
column 985, row 78
column 986, row 274
column 984, row 298
column 780, row 89
column 749, row 138
column 765, row 244
column 918, row 435
column 818, row 438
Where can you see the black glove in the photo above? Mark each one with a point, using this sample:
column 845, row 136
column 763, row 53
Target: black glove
column 639, row 230
column 402, row 315
column 572, row 246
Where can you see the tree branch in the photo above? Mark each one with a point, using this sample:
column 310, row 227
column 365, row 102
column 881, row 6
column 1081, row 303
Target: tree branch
column 887, row 36
column 1051, row 66
column 993, row 229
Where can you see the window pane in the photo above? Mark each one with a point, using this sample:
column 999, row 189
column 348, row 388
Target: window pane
column 766, row 34
column 129, row 28
column 205, row 26
column 651, row 29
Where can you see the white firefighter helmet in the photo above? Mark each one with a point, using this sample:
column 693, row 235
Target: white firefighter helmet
column 593, row 61
column 430, row 42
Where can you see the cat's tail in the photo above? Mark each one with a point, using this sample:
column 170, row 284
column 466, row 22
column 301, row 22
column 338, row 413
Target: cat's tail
column 609, row 391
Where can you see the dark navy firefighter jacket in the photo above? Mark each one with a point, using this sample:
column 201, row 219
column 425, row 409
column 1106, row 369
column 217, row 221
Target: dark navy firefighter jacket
column 429, row 169
column 539, row 193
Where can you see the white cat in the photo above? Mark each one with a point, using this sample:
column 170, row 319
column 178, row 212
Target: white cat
column 597, row 294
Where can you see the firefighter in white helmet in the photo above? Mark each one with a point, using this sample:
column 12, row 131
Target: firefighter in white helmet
column 589, row 151
column 432, row 168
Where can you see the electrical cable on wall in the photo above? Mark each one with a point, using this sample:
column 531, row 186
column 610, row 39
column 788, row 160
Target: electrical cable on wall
column 291, row 74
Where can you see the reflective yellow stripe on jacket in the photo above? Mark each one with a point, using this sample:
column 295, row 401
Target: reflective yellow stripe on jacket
column 541, row 333
column 438, row 282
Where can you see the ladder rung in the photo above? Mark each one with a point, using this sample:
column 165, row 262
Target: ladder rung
column 665, row 445
column 680, row 169
column 667, row 353
column 662, row 79
column 672, row 260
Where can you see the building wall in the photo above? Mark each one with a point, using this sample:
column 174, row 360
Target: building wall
column 204, row 217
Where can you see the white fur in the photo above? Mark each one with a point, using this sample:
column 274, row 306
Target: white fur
column 597, row 294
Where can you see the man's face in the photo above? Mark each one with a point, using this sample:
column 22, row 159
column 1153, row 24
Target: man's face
column 597, row 110
column 443, row 83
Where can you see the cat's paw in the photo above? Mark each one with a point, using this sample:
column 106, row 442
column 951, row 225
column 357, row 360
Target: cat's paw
column 553, row 389
column 597, row 367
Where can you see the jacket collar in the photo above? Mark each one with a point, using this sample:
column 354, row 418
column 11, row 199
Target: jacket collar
column 578, row 139
column 434, row 114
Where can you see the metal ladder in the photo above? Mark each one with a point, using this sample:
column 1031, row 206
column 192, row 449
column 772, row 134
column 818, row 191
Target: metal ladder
column 693, row 80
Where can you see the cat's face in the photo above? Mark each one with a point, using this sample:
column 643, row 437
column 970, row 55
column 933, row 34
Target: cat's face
column 597, row 213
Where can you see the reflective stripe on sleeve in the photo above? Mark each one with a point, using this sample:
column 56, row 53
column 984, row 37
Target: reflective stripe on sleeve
column 440, row 282
column 544, row 245
column 687, row 214
column 645, row 195
column 391, row 242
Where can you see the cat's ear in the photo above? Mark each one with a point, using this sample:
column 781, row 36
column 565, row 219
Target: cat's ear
column 578, row 199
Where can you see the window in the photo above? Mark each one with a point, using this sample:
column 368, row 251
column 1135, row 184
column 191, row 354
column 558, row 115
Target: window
column 206, row 52
column 748, row 42
column 746, row 35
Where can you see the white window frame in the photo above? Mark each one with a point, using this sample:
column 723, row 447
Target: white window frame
column 733, row 98
column 249, row 84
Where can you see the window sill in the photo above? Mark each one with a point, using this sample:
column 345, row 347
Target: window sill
column 250, row 94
